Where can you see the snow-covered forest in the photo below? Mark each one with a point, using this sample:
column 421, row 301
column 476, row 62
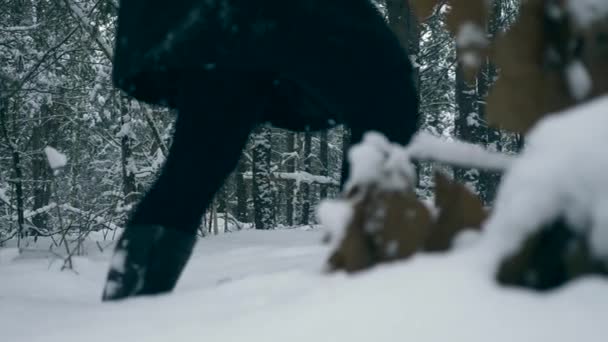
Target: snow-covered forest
column 56, row 91
column 469, row 233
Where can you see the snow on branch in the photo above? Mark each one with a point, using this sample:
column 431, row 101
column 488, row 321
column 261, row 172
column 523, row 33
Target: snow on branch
column 300, row 177
column 19, row 28
column 56, row 159
column 428, row 147
column 375, row 160
column 3, row 197
column 31, row 213
column 98, row 219
column 78, row 12
column 305, row 177
column 114, row 3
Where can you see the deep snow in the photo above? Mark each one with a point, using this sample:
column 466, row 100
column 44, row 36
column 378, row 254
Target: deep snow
column 269, row 286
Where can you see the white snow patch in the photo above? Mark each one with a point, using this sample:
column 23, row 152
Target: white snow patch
column 8, row 254
column 126, row 130
column 473, row 120
column 3, row 196
column 334, row 216
column 56, row 159
column 561, row 173
column 471, row 35
column 466, row 238
column 377, row 161
column 470, row 59
column 579, row 80
column 585, row 13
column 367, row 158
column 392, row 247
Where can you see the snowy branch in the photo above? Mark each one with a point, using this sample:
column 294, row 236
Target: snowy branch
column 98, row 219
column 300, row 177
column 305, row 177
column 155, row 131
column 84, row 21
column 427, row 147
column 17, row 85
column 19, row 28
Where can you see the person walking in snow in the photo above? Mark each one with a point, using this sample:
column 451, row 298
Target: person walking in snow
column 227, row 66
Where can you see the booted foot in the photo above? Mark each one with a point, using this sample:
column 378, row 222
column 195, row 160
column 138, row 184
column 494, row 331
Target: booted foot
column 148, row 260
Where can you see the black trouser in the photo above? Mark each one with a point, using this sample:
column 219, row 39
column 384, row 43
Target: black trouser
column 216, row 113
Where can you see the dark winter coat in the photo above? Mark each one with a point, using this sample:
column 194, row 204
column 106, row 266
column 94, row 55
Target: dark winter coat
column 334, row 55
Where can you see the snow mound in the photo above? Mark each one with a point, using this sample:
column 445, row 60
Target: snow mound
column 560, row 174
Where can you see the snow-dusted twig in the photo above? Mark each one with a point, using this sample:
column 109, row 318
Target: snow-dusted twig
column 305, row 177
column 155, row 131
column 428, row 147
column 20, row 28
column 300, row 177
column 17, row 85
column 78, row 12
column 98, row 219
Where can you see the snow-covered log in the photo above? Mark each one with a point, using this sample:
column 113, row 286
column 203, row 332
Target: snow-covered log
column 381, row 220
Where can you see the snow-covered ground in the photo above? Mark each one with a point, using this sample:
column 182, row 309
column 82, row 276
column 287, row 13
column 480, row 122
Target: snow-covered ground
column 269, row 286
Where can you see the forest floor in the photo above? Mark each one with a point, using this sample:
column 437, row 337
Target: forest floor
column 270, row 286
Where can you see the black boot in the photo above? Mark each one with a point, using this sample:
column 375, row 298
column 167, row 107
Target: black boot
column 148, row 260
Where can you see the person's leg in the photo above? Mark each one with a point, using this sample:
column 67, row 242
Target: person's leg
column 216, row 113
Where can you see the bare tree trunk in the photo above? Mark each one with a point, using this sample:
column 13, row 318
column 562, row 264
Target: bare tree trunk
column 241, row 191
column 17, row 180
column 214, row 213
column 263, row 197
column 345, row 148
column 468, row 124
column 41, row 173
column 203, row 226
column 324, row 156
column 226, row 222
column 290, row 185
column 488, row 181
column 18, row 183
column 222, row 205
column 128, row 177
column 306, row 193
